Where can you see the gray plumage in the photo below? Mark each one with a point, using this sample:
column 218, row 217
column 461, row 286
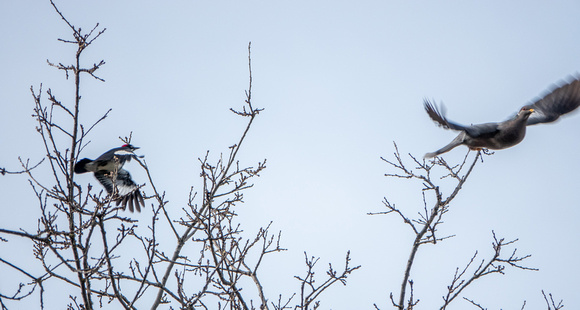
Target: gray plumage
column 496, row 136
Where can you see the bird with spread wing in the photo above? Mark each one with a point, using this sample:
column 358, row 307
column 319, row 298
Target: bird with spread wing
column 496, row 136
column 120, row 183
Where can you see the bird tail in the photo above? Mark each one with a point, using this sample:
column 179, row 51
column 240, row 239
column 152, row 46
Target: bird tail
column 80, row 166
column 456, row 142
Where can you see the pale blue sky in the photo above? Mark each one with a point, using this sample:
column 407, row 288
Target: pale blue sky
column 339, row 81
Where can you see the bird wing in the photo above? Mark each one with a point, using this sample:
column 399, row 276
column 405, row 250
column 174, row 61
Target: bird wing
column 439, row 117
column 487, row 130
column 122, row 153
column 105, row 179
column 475, row 131
column 127, row 190
column 559, row 101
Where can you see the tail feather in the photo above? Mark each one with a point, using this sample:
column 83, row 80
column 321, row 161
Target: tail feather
column 453, row 144
column 80, row 166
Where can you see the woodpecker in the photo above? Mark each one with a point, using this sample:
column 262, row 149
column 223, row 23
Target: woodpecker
column 104, row 168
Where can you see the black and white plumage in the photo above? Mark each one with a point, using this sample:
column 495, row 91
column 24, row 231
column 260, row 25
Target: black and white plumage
column 121, row 183
column 496, row 136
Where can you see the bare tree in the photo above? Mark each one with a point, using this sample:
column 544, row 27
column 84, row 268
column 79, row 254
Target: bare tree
column 83, row 237
column 425, row 226
column 207, row 259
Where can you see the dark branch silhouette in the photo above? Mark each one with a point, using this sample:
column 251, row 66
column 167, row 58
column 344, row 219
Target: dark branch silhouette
column 86, row 244
column 425, row 226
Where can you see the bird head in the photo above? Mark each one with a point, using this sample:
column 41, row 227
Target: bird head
column 126, row 149
column 526, row 111
column 130, row 147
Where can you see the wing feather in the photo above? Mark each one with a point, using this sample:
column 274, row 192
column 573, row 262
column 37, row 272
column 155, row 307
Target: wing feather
column 475, row 131
column 559, row 101
column 127, row 190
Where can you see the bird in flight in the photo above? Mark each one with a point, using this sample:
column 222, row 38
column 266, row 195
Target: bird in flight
column 120, row 183
column 496, row 136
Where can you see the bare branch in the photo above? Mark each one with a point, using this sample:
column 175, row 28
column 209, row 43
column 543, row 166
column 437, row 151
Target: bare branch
column 551, row 303
column 424, row 227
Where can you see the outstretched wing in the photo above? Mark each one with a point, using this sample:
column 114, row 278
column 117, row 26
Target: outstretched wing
column 475, row 131
column 128, row 192
column 559, row 101
column 439, row 117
